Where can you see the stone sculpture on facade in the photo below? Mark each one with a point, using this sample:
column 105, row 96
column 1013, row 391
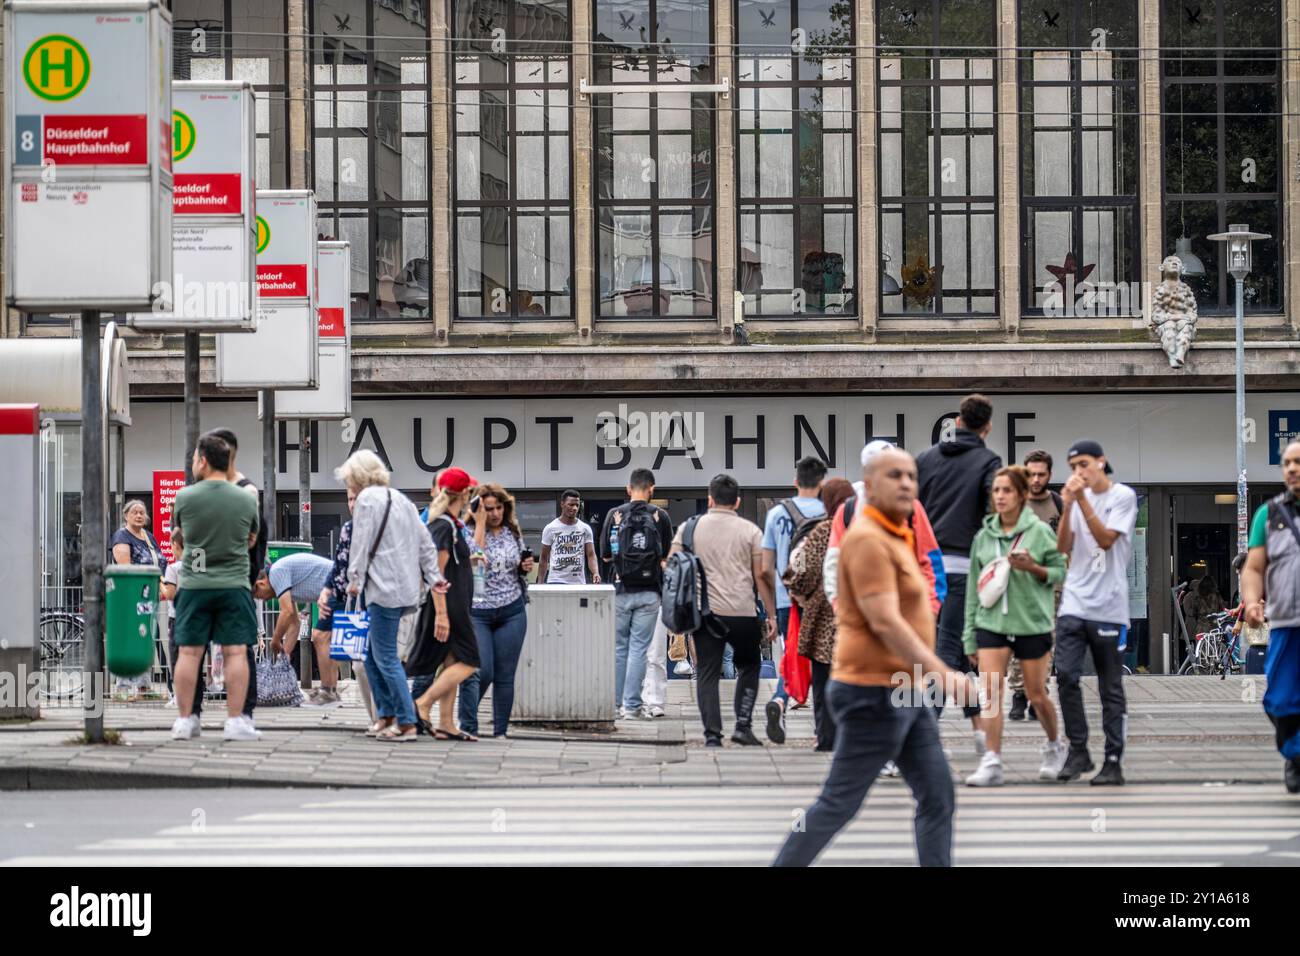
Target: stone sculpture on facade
column 1173, row 312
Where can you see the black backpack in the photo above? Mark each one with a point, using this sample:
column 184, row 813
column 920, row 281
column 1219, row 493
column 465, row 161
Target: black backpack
column 639, row 546
column 685, row 592
column 850, row 509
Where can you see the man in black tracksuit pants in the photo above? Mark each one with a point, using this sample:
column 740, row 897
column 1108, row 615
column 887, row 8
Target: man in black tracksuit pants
column 955, row 478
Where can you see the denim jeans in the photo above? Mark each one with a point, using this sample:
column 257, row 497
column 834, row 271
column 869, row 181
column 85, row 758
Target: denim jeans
column 384, row 670
column 870, row 729
column 778, row 651
column 500, row 634
column 634, row 627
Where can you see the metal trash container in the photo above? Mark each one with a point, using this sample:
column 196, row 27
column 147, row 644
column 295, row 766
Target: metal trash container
column 566, row 670
column 131, row 593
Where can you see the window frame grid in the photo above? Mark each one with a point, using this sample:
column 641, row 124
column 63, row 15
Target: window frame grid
column 936, row 202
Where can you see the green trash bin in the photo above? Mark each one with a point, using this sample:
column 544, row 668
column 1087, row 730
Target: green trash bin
column 131, row 594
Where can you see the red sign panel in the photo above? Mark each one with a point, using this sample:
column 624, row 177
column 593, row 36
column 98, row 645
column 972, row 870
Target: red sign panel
column 281, row 281
column 198, row 194
column 330, row 323
column 165, row 486
column 95, row 140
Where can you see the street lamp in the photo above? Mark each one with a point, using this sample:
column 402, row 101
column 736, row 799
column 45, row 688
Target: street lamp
column 1238, row 237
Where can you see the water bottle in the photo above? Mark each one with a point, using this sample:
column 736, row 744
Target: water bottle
column 480, row 580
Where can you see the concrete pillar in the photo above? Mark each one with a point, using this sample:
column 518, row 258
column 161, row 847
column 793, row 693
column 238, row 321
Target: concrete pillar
column 300, row 145
column 1008, row 135
column 1291, row 141
column 440, row 133
column 582, row 122
column 724, row 160
column 1150, row 195
column 868, row 200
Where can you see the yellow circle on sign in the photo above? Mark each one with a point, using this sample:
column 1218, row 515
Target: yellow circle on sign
column 263, row 234
column 56, row 67
column 183, row 135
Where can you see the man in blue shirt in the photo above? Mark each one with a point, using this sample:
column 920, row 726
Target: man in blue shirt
column 783, row 519
column 299, row 579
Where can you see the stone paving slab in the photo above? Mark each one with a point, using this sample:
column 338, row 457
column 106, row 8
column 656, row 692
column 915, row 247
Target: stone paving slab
column 1185, row 729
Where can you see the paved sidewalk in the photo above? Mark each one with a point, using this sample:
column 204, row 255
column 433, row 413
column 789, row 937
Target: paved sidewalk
column 1181, row 730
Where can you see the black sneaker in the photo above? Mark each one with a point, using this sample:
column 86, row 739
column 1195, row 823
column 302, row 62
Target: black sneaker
column 1110, row 775
column 775, row 721
column 712, row 742
column 745, row 737
column 1018, row 704
column 1076, row 765
column 1291, row 776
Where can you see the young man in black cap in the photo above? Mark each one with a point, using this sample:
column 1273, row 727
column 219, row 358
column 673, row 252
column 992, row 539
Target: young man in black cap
column 1096, row 532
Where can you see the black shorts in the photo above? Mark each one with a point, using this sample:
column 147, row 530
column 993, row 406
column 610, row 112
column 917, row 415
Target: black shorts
column 1026, row 647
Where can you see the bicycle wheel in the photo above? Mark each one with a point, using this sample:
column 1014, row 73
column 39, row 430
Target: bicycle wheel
column 62, row 635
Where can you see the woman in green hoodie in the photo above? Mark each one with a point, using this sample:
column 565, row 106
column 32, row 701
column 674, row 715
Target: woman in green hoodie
column 1019, row 621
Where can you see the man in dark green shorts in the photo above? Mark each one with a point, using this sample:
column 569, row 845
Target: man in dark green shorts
column 214, row 523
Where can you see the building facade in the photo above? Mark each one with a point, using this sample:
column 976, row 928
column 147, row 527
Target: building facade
column 794, row 225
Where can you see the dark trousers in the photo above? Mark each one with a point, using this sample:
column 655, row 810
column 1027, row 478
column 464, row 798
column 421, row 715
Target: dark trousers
column 951, row 624
column 1074, row 635
column 872, row 728
column 823, row 723
column 250, row 698
column 745, row 638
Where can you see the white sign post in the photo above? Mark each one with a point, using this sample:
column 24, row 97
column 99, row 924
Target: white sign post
column 87, row 177
column 332, row 398
column 214, row 229
column 283, row 353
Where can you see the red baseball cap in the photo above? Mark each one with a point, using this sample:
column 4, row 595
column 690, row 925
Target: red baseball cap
column 456, row 480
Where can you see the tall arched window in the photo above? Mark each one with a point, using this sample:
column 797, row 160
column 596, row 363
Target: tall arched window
column 1078, row 152
column 1223, row 160
column 513, row 184
column 795, row 157
column 938, row 165
column 654, row 160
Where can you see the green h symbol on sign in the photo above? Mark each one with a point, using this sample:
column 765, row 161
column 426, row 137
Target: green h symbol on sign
column 64, row 66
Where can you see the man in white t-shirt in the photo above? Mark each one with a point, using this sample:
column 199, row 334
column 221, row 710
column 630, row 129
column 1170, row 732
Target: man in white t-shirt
column 568, row 543
column 1096, row 532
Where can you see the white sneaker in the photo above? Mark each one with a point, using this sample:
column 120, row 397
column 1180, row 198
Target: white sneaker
column 981, row 743
column 620, row 713
column 989, row 773
column 185, row 728
column 171, row 701
column 890, row 769
column 655, row 711
column 241, row 728
column 1054, row 754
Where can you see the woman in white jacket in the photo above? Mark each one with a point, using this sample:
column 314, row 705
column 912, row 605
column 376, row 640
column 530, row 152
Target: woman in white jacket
column 391, row 555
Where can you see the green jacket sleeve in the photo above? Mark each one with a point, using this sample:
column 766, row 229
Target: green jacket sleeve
column 1052, row 560
column 972, row 596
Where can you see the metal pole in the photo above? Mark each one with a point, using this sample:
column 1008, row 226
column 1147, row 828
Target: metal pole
column 191, row 401
column 119, row 465
column 92, row 524
column 1242, row 516
column 268, row 465
column 306, row 651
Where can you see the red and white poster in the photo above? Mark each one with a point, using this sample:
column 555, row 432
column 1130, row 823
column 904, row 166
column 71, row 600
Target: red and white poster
column 165, row 486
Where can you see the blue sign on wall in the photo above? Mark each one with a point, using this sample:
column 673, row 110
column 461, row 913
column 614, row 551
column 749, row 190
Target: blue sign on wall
column 1283, row 428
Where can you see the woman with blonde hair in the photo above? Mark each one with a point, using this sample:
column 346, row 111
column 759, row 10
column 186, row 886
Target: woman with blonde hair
column 389, row 555
column 499, row 614
column 445, row 637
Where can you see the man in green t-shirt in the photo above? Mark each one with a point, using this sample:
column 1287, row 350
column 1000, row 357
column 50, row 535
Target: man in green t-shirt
column 1272, row 573
column 214, row 523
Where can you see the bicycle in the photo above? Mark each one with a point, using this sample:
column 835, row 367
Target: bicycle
column 62, row 637
column 1217, row 651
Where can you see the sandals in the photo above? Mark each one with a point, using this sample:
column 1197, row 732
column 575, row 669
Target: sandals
column 394, row 735
column 440, row 734
column 377, row 728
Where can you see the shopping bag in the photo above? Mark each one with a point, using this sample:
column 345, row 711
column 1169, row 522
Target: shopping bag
column 350, row 636
column 277, row 683
column 796, row 670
